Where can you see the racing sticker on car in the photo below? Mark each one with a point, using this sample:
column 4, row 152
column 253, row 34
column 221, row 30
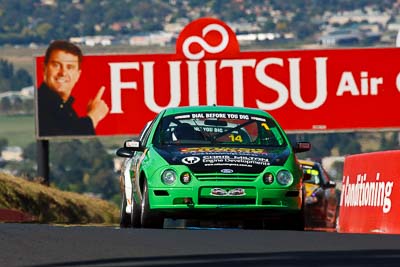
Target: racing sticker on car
column 225, row 156
column 216, row 115
column 209, row 159
column 190, row 160
column 223, row 150
column 232, row 160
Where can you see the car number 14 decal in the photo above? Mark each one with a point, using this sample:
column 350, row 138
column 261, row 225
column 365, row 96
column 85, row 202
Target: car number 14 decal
column 236, row 138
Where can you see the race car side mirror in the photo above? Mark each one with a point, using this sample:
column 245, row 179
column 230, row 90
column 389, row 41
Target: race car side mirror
column 302, row 147
column 331, row 184
column 125, row 152
column 129, row 148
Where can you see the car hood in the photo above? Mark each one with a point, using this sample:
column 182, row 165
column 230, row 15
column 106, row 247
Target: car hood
column 224, row 159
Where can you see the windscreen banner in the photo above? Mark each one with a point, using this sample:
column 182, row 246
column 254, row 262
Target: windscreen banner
column 371, row 193
column 319, row 90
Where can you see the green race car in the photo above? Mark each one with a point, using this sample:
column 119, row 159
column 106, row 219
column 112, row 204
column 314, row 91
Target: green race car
column 215, row 162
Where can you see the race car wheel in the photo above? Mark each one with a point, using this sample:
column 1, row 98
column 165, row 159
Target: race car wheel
column 296, row 221
column 149, row 219
column 135, row 214
column 330, row 219
column 125, row 218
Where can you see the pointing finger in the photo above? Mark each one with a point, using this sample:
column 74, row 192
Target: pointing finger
column 100, row 94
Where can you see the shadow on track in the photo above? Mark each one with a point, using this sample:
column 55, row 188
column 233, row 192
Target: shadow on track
column 316, row 258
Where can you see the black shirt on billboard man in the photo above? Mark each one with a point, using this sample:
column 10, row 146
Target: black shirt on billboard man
column 56, row 117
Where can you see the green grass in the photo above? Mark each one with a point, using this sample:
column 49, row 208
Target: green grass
column 19, row 130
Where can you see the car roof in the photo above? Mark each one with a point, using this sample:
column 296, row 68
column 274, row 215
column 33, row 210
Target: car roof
column 190, row 109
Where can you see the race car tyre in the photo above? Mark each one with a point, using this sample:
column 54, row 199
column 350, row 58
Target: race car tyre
column 330, row 220
column 149, row 219
column 125, row 218
column 296, row 221
column 299, row 218
column 135, row 214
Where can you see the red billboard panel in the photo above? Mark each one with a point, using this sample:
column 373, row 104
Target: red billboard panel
column 305, row 90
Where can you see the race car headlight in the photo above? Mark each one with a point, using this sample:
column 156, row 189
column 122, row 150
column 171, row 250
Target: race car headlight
column 168, row 177
column 284, row 177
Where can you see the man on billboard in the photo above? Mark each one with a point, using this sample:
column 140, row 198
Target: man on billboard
column 56, row 116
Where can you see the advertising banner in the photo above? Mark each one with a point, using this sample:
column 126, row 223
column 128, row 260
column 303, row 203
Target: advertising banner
column 370, row 193
column 305, row 90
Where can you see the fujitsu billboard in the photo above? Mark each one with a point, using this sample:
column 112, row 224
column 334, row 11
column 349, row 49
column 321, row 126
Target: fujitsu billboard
column 305, row 90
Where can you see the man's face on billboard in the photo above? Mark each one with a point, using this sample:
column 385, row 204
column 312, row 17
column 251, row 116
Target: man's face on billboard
column 62, row 72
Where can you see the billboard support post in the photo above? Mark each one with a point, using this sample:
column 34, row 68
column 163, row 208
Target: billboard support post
column 43, row 160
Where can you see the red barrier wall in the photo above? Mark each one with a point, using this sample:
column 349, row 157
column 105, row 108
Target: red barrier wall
column 370, row 196
column 7, row 215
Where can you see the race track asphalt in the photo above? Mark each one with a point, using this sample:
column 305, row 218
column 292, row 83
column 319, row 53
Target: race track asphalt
column 47, row 245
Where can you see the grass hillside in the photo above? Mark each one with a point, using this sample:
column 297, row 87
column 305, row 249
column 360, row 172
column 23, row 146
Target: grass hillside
column 19, row 130
column 50, row 205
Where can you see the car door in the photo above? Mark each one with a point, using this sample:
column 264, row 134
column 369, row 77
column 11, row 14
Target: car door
column 330, row 194
column 136, row 161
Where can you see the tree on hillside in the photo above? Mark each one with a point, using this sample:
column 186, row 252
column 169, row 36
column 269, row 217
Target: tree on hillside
column 26, row 21
column 5, row 105
column 6, row 74
column 20, row 79
column 11, row 80
column 3, row 143
column 80, row 166
column 322, row 144
column 391, row 142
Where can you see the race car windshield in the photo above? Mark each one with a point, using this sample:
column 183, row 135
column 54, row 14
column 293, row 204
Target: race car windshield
column 219, row 129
